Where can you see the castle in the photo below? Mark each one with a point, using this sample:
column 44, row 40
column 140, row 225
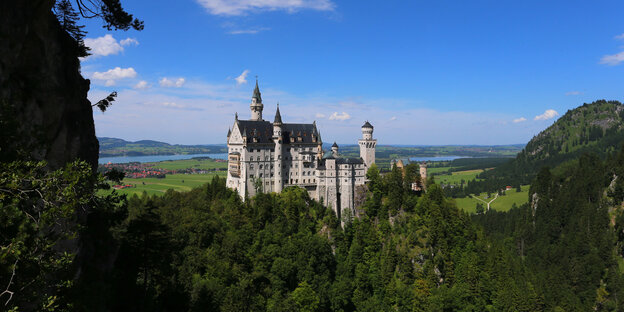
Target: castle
column 267, row 157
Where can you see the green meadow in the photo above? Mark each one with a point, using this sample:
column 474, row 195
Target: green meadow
column 189, row 163
column 502, row 203
column 178, row 182
column 457, row 176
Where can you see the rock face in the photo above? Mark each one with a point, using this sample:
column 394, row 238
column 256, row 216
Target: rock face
column 41, row 90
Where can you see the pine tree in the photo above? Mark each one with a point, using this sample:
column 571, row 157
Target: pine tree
column 68, row 17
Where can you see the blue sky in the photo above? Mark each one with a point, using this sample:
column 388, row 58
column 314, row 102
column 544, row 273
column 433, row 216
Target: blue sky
column 423, row 72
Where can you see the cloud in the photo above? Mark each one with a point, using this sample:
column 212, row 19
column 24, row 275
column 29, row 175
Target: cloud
column 393, row 118
column 251, row 31
column 129, row 41
column 142, row 85
column 521, row 119
column 242, row 78
column 168, row 83
column 336, row 116
column 242, row 7
column 613, row 59
column 107, row 45
column 548, row 114
column 114, row 74
column 319, row 115
column 573, row 93
column 619, row 37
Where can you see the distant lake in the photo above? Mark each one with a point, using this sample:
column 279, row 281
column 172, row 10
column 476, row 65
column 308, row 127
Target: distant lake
column 437, row 158
column 155, row 158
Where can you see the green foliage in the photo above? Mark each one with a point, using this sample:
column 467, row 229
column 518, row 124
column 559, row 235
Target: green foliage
column 42, row 215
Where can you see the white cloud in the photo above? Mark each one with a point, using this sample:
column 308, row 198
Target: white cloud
column 111, row 75
column 393, row 118
column 251, row 31
column 613, row 59
column 521, row 119
column 167, row 83
column 573, row 93
column 619, row 37
column 337, row 116
column 319, row 115
column 242, row 78
column 242, row 7
column 142, row 85
column 128, row 41
column 107, row 45
column 548, row 114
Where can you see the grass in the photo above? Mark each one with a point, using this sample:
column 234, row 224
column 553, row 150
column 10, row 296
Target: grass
column 502, row 203
column 189, row 163
column 457, row 176
column 436, row 170
column 172, row 181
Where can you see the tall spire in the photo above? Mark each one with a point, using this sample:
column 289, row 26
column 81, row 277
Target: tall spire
column 278, row 117
column 256, row 93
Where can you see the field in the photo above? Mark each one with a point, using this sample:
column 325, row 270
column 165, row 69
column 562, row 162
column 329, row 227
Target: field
column 178, row 182
column 457, row 176
column 502, row 203
column 189, row 163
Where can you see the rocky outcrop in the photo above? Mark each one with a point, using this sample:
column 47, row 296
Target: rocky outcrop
column 41, row 90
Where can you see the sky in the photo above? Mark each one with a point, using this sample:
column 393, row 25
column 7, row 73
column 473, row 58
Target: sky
column 422, row 72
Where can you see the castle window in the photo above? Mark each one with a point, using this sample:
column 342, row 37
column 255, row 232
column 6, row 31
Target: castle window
column 258, row 158
column 251, row 166
column 261, row 175
column 260, row 166
column 251, row 176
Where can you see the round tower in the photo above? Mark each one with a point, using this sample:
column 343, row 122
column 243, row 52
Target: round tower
column 334, row 150
column 256, row 105
column 277, row 156
column 367, row 144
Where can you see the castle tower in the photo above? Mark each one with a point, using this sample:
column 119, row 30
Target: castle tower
column 256, row 104
column 367, row 145
column 277, row 139
column 334, row 150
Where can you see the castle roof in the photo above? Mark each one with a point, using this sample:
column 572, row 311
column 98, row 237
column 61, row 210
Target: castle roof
column 262, row 131
column 367, row 125
column 349, row 160
column 278, row 116
column 256, row 93
column 335, row 145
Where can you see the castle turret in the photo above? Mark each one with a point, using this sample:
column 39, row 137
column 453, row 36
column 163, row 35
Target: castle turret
column 256, row 104
column 367, row 144
column 277, row 160
column 334, row 150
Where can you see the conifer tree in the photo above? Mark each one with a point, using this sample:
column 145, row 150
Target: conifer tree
column 68, row 18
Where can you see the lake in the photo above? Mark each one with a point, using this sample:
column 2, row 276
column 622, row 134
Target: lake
column 437, row 158
column 155, row 158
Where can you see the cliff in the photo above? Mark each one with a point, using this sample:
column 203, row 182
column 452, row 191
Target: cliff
column 43, row 97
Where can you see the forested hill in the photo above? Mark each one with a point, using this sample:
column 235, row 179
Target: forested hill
column 118, row 147
column 591, row 128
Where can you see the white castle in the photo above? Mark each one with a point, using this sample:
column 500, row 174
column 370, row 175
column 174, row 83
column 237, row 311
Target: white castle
column 267, row 157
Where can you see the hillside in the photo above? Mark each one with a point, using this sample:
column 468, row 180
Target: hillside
column 595, row 128
column 110, row 147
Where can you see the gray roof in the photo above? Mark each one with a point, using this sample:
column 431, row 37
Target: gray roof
column 278, row 116
column 262, row 131
column 259, row 129
column 367, row 125
column 335, row 145
column 350, row 160
column 256, row 93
